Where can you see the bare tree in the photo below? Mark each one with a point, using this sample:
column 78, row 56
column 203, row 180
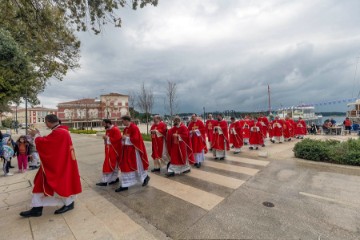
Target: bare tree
column 171, row 98
column 145, row 101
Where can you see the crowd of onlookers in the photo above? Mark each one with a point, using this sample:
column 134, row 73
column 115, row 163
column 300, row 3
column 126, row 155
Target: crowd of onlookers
column 23, row 148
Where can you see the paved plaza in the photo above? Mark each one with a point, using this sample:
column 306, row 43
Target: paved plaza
column 266, row 194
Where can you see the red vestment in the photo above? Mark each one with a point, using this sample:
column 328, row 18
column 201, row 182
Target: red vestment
column 264, row 125
column 59, row 171
column 209, row 129
column 112, row 149
column 287, row 127
column 220, row 140
column 158, row 136
column 179, row 145
column 235, row 133
column 277, row 127
column 300, row 127
column 127, row 161
column 292, row 125
column 246, row 124
column 198, row 143
column 256, row 137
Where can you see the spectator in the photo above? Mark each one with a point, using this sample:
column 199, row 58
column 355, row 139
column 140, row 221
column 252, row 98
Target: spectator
column 347, row 124
column 333, row 122
column 22, row 151
column 313, row 129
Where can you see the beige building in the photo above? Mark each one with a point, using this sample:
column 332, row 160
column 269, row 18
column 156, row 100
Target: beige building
column 35, row 115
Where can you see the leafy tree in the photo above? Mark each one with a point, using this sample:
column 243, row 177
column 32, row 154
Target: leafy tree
column 40, row 36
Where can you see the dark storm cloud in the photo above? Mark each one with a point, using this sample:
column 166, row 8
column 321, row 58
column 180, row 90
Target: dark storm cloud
column 223, row 54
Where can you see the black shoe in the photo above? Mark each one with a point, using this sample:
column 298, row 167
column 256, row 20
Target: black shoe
column 272, row 141
column 263, row 145
column 65, row 208
column 155, row 170
column 289, row 140
column 210, row 149
column 170, row 174
column 256, row 148
column 222, row 158
column 246, row 143
column 11, row 167
column 168, row 165
column 34, row 212
column 236, row 152
column 187, row 171
column 113, row 182
column 102, row 184
column 198, row 165
column 251, row 148
column 216, row 158
column 280, row 142
column 120, row 189
column 146, row 181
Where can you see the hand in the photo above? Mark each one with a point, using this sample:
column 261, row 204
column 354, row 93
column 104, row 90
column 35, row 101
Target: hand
column 105, row 137
column 33, row 132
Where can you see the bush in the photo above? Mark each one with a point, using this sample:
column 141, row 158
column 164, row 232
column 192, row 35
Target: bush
column 82, row 131
column 333, row 151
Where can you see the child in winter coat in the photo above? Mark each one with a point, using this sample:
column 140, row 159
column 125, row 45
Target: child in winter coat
column 22, row 151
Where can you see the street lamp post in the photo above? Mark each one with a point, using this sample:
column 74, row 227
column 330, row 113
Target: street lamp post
column 204, row 115
column 26, row 111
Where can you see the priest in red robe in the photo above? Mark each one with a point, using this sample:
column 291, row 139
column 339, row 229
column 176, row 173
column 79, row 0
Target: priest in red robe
column 197, row 136
column 158, row 142
column 133, row 161
column 210, row 122
column 179, row 148
column 288, row 129
column 220, row 142
column 246, row 124
column 58, row 180
column 112, row 142
column 256, row 137
column 235, row 133
column 264, row 125
column 277, row 130
column 301, row 128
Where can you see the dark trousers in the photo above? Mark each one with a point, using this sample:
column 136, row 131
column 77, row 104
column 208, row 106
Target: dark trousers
column 6, row 166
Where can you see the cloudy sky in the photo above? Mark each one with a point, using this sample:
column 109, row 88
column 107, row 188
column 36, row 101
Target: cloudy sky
column 223, row 54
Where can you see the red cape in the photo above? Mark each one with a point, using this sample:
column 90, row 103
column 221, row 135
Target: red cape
column 127, row 161
column 256, row 136
column 300, row 127
column 218, row 140
column 179, row 150
column 198, row 143
column 112, row 151
column 236, row 139
column 277, row 127
column 59, row 170
column 209, row 128
column 158, row 142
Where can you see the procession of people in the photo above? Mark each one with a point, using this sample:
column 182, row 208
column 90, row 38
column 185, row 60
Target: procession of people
column 174, row 151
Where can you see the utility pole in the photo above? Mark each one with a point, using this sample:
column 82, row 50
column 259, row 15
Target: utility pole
column 269, row 99
column 26, row 111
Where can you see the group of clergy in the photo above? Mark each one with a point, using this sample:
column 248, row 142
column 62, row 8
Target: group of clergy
column 183, row 145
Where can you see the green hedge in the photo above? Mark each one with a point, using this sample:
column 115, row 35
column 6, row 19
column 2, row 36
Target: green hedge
column 82, row 131
column 333, row 151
